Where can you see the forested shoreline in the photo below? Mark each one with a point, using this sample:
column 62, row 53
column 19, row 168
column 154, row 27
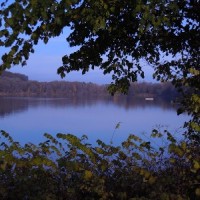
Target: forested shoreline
column 18, row 85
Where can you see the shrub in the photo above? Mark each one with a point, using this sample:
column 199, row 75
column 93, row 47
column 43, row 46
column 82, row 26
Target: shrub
column 67, row 167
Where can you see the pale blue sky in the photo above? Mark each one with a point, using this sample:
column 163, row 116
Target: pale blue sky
column 43, row 64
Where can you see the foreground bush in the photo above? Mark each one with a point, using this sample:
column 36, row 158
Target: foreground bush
column 67, row 167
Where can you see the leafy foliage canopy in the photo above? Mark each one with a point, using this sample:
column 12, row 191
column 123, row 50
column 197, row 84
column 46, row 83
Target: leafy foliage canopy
column 112, row 35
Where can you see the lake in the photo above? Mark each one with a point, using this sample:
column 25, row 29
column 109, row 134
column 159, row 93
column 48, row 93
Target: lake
column 27, row 119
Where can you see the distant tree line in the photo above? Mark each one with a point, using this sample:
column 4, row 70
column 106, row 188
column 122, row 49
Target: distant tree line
column 18, row 85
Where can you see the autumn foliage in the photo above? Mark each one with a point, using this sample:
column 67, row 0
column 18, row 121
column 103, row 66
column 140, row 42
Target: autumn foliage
column 67, row 167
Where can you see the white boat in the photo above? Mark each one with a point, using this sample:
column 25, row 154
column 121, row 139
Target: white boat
column 149, row 98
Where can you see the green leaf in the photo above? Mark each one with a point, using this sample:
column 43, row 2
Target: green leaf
column 87, row 175
column 196, row 164
column 46, row 39
column 197, row 192
column 194, row 71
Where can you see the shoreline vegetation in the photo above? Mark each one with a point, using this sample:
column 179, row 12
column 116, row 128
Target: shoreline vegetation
column 18, row 85
column 132, row 171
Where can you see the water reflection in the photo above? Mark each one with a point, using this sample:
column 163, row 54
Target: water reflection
column 12, row 105
column 27, row 119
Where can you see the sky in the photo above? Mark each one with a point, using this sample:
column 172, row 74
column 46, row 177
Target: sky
column 43, row 64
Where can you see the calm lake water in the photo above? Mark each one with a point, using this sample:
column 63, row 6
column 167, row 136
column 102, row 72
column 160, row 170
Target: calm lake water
column 27, row 119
